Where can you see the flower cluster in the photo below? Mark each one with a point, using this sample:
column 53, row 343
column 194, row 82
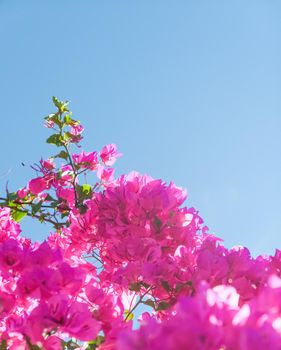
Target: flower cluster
column 118, row 244
column 213, row 319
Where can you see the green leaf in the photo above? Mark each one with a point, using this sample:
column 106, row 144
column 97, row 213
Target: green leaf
column 33, row 347
column 55, row 203
column 55, row 139
column 36, row 207
column 18, row 215
column 64, row 215
column 157, row 223
column 67, row 136
column 166, row 286
column 3, row 345
column 70, row 345
column 12, row 196
column 59, row 174
column 69, row 121
column 62, row 155
column 149, row 302
column 56, row 101
column 92, row 345
column 30, row 345
column 49, row 198
column 87, row 188
column 180, row 286
column 61, row 105
column 12, row 204
column 83, row 192
column 146, row 285
column 56, row 118
column 162, row 306
column 128, row 315
column 42, row 218
column 135, row 286
column 50, row 116
column 82, row 208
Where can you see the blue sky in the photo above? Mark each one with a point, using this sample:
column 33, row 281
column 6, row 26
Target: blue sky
column 188, row 90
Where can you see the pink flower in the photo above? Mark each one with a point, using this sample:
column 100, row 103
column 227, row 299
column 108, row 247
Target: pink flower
column 60, row 313
column 145, row 247
column 11, row 255
column 47, row 164
column 35, row 283
column 53, row 343
column 44, row 255
column 8, row 228
column 109, row 154
column 80, row 323
column 105, row 175
column 66, row 194
column 49, row 124
column 38, row 185
column 86, row 160
column 76, row 130
column 67, row 279
column 21, row 193
column 7, row 302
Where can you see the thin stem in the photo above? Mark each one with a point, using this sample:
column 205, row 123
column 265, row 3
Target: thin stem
column 75, row 174
column 97, row 258
column 138, row 303
column 36, row 216
column 71, row 164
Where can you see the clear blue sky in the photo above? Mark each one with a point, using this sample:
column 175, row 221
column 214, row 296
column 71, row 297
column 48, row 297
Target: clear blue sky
column 189, row 90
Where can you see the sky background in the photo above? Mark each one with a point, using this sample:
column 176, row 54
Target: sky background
column 188, row 90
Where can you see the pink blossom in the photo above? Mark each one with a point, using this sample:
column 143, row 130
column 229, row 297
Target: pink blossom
column 47, row 165
column 73, row 318
column 53, row 343
column 7, row 302
column 11, row 255
column 80, row 323
column 8, row 228
column 76, row 129
column 67, row 194
column 86, row 160
column 109, row 154
column 105, row 175
column 49, row 123
column 44, row 255
column 132, row 241
column 21, row 193
column 38, row 185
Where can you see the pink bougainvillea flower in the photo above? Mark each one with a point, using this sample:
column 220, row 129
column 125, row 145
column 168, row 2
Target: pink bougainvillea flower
column 109, row 154
column 47, row 165
column 144, row 246
column 67, row 194
column 11, row 255
column 60, row 313
column 76, row 130
column 49, row 124
column 86, row 160
column 80, row 322
column 21, row 193
column 38, row 185
column 106, row 175
column 7, row 302
column 52, row 343
column 44, row 255
column 8, row 227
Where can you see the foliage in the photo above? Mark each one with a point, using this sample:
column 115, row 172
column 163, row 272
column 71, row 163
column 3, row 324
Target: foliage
column 118, row 244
